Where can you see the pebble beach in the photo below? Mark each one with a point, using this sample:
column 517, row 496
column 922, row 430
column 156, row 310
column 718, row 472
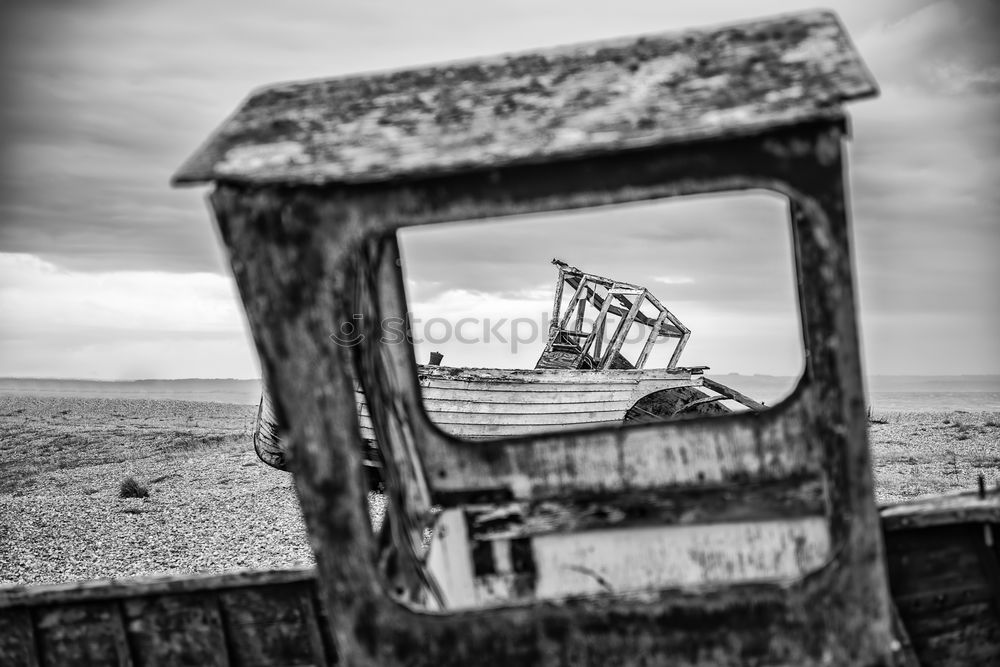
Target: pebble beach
column 213, row 507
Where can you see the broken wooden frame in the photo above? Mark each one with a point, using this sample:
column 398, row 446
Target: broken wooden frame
column 312, row 182
column 345, row 237
column 310, row 228
column 570, row 346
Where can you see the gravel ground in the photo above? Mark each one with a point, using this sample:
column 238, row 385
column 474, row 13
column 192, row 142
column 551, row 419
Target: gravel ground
column 213, row 507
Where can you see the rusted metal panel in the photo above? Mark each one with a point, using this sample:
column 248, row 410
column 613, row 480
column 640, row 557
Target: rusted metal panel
column 538, row 107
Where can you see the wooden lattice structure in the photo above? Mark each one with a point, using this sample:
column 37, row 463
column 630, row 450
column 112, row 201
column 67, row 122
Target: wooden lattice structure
column 572, row 345
column 746, row 539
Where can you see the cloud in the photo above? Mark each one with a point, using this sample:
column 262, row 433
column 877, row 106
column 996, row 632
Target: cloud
column 105, row 99
column 944, row 48
column 113, row 325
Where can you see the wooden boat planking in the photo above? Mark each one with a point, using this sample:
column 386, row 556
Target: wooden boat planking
column 942, row 571
column 474, row 403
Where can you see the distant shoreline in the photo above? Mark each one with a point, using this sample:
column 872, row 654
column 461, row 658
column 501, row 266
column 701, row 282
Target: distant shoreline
column 974, row 393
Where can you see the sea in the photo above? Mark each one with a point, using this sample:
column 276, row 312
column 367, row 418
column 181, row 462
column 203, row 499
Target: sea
column 885, row 393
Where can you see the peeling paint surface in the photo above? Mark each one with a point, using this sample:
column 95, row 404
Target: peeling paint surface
column 501, row 571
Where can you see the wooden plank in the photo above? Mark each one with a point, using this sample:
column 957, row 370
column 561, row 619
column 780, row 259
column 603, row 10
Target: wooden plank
column 905, row 654
column 573, row 403
column 527, row 376
column 673, row 329
column 599, row 338
column 719, row 503
column 593, row 562
column 598, row 326
column 940, row 576
column 639, row 458
column 557, row 301
column 443, row 395
column 82, row 634
column 96, row 590
column 651, row 340
column 733, row 394
column 963, row 635
column 553, row 415
column 675, row 357
column 695, row 403
column 17, row 639
column 176, row 630
column 571, row 306
column 538, row 106
column 272, row 627
column 943, row 509
column 499, row 429
column 679, row 556
column 581, row 308
column 618, row 338
column 934, row 561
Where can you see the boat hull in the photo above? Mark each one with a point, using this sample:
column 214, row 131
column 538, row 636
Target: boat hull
column 487, row 403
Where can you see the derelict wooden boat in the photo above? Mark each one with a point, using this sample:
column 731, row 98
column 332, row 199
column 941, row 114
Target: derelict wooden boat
column 581, row 380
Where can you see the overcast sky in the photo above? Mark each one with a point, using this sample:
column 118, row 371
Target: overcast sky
column 106, row 272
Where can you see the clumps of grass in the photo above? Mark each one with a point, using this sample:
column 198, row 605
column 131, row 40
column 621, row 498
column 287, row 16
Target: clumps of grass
column 991, row 422
column 962, row 430
column 131, row 488
column 133, row 510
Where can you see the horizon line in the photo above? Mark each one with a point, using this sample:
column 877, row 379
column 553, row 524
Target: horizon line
column 258, row 379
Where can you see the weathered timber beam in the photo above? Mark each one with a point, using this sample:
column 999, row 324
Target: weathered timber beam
column 557, row 300
column 598, row 326
column 697, row 402
column 786, row 498
column 650, row 341
column 966, row 506
column 137, row 587
column 571, row 306
column 618, row 339
column 677, row 350
column 664, row 329
column 733, row 394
